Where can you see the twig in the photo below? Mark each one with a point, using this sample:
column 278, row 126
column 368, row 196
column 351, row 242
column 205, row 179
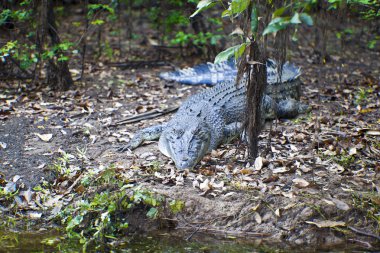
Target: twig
column 73, row 184
column 137, row 64
column 229, row 232
column 193, row 233
column 364, row 233
column 146, row 115
column 365, row 244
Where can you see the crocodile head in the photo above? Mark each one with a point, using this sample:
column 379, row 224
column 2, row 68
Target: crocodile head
column 186, row 142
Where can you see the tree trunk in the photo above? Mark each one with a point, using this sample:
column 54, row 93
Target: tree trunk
column 257, row 82
column 58, row 74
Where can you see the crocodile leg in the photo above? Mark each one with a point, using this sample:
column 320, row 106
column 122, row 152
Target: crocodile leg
column 291, row 108
column 146, row 134
column 233, row 130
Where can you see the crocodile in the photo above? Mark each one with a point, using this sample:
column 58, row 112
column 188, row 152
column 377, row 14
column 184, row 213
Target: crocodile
column 214, row 116
column 212, row 74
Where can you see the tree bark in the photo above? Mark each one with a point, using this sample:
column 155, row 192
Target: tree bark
column 58, row 74
column 257, row 81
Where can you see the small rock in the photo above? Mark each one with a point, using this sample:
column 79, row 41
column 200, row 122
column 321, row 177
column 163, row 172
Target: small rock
column 146, row 154
column 151, row 158
column 299, row 137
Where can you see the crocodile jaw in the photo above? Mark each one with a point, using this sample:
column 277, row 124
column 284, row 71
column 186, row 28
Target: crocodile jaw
column 185, row 145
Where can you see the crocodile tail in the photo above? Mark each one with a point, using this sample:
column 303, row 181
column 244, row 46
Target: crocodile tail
column 206, row 73
column 211, row 74
column 290, row 72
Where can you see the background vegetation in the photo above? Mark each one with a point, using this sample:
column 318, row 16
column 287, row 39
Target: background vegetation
column 40, row 39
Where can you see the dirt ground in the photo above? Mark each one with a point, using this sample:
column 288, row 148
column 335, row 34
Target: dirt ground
column 316, row 183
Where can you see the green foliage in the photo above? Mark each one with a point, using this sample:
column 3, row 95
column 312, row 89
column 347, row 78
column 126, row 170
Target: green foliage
column 367, row 9
column 254, row 21
column 102, row 215
column 236, row 51
column 236, row 7
column 7, row 196
column 279, row 21
column 201, row 39
column 203, row 5
column 61, row 51
column 23, row 53
column 344, row 160
column 361, row 97
column 16, row 16
column 372, row 43
column 176, row 206
column 94, row 8
column 369, row 204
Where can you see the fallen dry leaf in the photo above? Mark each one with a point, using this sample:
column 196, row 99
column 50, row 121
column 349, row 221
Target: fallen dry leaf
column 340, row 204
column 44, row 137
column 352, row 151
column 257, row 217
column 300, row 183
column 280, row 170
column 327, row 223
column 204, row 186
column 258, row 163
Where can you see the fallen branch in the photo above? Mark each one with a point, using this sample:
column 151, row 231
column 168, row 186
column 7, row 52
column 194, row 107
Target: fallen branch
column 364, row 233
column 229, row 232
column 137, row 64
column 146, row 115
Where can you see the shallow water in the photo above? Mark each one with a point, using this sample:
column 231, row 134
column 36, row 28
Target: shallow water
column 53, row 241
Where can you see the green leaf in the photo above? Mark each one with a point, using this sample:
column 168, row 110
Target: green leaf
column 295, row 19
column 236, row 51
column 203, row 5
column 124, row 225
column 279, row 12
column 97, row 22
column 371, row 44
column 254, row 20
column 276, row 25
column 226, row 13
column 238, row 6
column 74, row 222
column 307, row 19
column 272, row 29
column 279, row 20
column 152, row 213
column 176, row 206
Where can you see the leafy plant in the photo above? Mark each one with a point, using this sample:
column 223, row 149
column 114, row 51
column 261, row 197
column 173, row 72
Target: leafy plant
column 369, row 204
column 280, row 21
column 200, row 39
column 176, row 206
column 361, row 96
column 102, row 215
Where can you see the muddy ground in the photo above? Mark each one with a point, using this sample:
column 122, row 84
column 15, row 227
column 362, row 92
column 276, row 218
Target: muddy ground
column 316, row 183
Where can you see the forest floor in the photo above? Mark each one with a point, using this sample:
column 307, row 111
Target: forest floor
column 318, row 184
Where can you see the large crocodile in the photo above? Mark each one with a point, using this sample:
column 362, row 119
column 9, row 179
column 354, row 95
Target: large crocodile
column 214, row 116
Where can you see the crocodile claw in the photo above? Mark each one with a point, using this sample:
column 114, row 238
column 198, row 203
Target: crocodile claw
column 123, row 148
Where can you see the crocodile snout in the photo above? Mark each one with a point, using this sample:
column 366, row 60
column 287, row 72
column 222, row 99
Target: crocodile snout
column 185, row 163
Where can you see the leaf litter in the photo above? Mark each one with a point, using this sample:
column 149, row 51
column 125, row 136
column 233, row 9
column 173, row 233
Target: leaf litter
column 317, row 174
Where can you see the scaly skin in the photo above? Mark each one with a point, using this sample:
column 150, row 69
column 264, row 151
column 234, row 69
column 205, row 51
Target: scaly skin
column 214, row 116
